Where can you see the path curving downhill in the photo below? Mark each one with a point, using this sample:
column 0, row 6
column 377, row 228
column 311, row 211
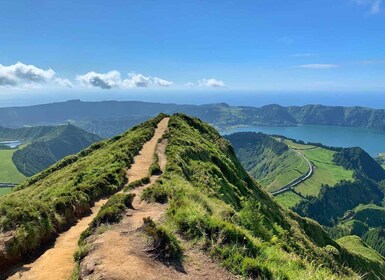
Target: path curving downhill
column 57, row 262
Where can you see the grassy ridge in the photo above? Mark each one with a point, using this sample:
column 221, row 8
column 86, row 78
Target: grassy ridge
column 8, row 170
column 217, row 206
column 51, row 200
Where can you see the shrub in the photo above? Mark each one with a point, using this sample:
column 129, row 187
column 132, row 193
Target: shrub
column 112, row 211
column 253, row 269
column 163, row 243
column 137, row 183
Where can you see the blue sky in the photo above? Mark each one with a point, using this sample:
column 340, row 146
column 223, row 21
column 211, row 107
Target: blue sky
column 276, row 45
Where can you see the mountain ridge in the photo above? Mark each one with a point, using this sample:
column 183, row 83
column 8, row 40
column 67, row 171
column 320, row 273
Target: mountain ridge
column 102, row 117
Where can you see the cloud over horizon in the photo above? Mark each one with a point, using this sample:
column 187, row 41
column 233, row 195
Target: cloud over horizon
column 26, row 75
column 211, row 83
column 113, row 79
column 317, row 66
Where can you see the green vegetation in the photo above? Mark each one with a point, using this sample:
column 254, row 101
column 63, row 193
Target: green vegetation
column 358, row 160
column 51, row 200
column 271, row 162
column 214, row 204
column 110, row 213
column 288, row 199
column 109, row 118
column 355, row 244
column 137, row 183
column 326, row 171
column 51, row 147
column 5, row 190
column 163, row 243
column 8, row 170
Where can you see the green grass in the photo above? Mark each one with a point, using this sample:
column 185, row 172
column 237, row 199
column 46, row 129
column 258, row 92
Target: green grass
column 5, row 190
column 51, row 200
column 8, row 170
column 288, row 167
column 267, row 159
column 355, row 244
column 325, row 172
column 214, row 204
column 288, row 199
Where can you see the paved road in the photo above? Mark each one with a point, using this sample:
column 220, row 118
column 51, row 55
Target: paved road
column 297, row 181
column 4, row 185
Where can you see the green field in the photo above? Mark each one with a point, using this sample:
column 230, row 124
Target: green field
column 355, row 244
column 287, row 167
column 325, row 172
column 5, row 190
column 288, row 199
column 8, row 170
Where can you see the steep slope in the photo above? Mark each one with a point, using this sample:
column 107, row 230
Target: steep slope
column 271, row 162
column 56, row 263
column 52, row 200
column 212, row 207
column 215, row 209
column 51, row 147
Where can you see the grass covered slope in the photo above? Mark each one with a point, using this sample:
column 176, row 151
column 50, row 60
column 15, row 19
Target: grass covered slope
column 355, row 244
column 50, row 201
column 215, row 205
column 8, row 171
column 52, row 147
column 271, row 162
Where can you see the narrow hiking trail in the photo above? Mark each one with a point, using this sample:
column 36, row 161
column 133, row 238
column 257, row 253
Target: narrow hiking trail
column 121, row 252
column 57, row 262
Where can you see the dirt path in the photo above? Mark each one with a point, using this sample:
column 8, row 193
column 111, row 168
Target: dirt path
column 120, row 253
column 57, row 263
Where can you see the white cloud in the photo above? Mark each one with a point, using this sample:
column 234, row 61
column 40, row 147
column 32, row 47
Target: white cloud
column 318, row 66
column 113, row 79
column 304, row 54
column 211, row 83
column 373, row 5
column 23, row 75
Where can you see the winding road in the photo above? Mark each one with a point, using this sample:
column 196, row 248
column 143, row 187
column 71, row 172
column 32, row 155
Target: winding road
column 297, row 181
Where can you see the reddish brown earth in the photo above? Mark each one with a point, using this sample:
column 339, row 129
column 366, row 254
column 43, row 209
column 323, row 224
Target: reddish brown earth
column 57, row 263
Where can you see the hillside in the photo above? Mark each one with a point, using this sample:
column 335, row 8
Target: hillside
column 50, row 147
column 212, row 209
column 269, row 161
column 52, row 200
column 108, row 118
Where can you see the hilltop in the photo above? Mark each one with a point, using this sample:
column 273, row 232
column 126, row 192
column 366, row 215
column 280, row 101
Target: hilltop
column 108, row 118
column 211, row 208
column 40, row 147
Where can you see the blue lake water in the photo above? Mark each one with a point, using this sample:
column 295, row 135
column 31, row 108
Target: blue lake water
column 11, row 144
column 372, row 141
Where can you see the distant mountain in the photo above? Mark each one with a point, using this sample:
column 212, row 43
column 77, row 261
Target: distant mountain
column 108, row 118
column 56, row 144
column 45, row 145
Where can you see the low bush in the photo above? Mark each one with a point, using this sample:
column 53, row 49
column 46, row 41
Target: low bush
column 137, row 183
column 162, row 242
column 112, row 211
